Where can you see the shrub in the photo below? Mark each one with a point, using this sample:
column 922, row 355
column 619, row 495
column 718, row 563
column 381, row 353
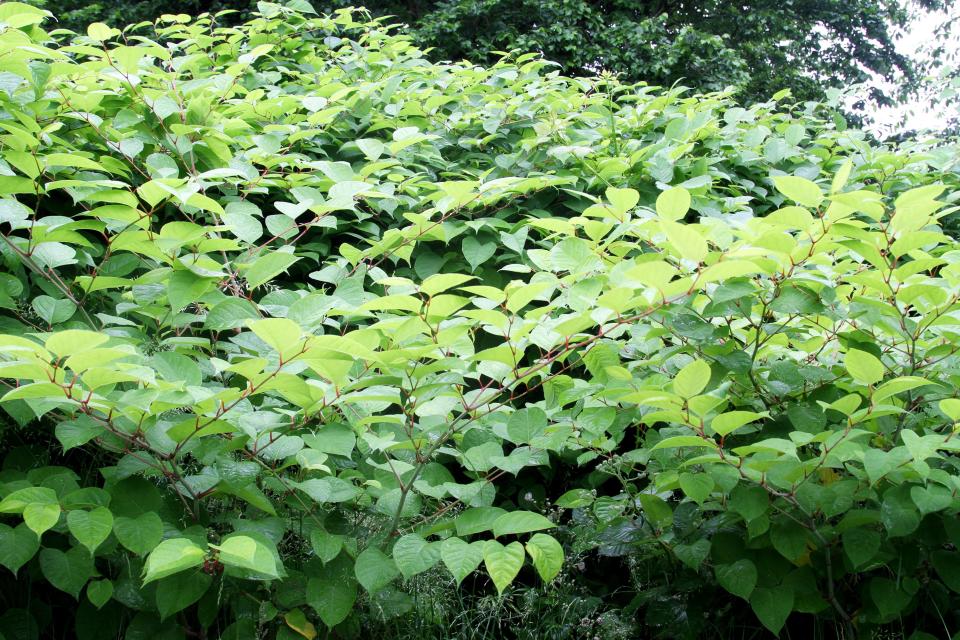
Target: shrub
column 319, row 326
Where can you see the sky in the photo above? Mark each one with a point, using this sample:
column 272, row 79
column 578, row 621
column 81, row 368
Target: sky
column 920, row 113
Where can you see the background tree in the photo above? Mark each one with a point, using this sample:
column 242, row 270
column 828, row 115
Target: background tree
column 761, row 46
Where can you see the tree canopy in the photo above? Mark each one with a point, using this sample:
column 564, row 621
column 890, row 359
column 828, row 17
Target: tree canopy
column 761, row 46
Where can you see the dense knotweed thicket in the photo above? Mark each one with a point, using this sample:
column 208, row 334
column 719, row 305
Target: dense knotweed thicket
column 304, row 335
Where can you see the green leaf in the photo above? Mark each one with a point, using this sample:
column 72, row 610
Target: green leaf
column 675, row 442
column 739, row 578
column 179, row 591
column 726, row 423
column 951, row 408
column 185, row 287
column 863, row 367
column 516, row 522
column 35, row 391
column 338, row 171
column 172, row 556
column 141, row 534
column 546, row 554
column 176, row 368
column 687, row 240
column 503, row 563
column 696, row 485
column 281, row 334
column 297, row 621
column 800, row 190
column 99, row 31
column 772, row 606
column 239, row 217
column 328, row 489
column 931, row 498
column 656, row 510
column 788, row 539
column 68, row 571
column 99, row 592
column 231, row 313
column 692, row 379
column 898, row 385
column 888, row 597
column 947, row 566
column 898, row 513
column 17, row 546
column 74, row 433
column 371, row 148
column 482, row 457
column 52, row 310
column 412, row 554
column 335, row 439
column 841, row 177
column 374, row 570
column 90, row 528
column 477, row 520
column 622, row 200
column 573, row 255
column 574, row 499
column 750, row 502
column 861, row 545
column 333, row 591
column 525, row 425
column 244, row 552
column 161, row 165
column 878, row 463
column 244, row 629
column 460, row 557
column 477, row 252
column 41, row 516
column 440, row 282
column 795, row 299
column 673, row 203
column 267, row 267
column 693, row 554
column 327, row 546
column 71, row 341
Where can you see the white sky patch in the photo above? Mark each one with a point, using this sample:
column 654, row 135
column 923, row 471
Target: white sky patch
column 922, row 113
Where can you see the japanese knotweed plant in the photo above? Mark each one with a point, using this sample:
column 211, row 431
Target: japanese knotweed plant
column 308, row 315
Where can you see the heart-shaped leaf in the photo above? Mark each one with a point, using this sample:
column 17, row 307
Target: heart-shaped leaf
column 693, row 554
column 772, row 606
column 477, row 252
column 333, row 591
column 99, row 592
column 932, row 498
column 460, row 557
column 41, row 516
column 17, row 545
column 374, row 570
column 503, row 563
column 860, row 545
column 170, row 557
column 739, row 578
column 141, row 534
column 414, row 555
column 67, row 571
column 90, row 528
column 546, row 554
